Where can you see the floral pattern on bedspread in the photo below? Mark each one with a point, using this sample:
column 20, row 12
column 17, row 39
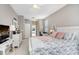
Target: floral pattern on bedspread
column 69, row 49
column 58, row 47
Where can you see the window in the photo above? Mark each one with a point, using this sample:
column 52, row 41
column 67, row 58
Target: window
column 46, row 25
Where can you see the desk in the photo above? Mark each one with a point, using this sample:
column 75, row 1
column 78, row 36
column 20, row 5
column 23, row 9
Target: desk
column 5, row 47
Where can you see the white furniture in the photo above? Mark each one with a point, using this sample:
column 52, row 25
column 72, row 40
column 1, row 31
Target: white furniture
column 17, row 39
column 5, row 47
column 34, row 43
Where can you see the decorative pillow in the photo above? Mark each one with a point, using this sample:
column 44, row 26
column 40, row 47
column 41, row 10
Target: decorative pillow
column 60, row 35
column 53, row 34
column 74, row 36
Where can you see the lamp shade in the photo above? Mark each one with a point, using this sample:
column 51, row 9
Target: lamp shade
column 51, row 30
column 12, row 28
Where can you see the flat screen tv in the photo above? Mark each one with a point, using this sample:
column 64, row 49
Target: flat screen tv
column 4, row 33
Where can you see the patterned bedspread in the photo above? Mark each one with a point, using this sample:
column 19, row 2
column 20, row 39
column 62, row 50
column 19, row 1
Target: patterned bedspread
column 55, row 47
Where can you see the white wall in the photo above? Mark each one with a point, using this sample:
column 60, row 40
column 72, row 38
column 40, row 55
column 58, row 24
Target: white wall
column 6, row 14
column 67, row 16
column 21, row 25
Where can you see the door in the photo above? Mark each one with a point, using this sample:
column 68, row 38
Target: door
column 27, row 30
column 27, row 36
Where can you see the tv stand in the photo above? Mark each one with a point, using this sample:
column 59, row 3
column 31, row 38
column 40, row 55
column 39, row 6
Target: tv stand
column 5, row 47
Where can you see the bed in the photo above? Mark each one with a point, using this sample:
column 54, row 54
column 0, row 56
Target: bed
column 46, row 45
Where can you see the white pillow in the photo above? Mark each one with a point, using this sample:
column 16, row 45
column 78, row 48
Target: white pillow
column 74, row 35
column 68, row 35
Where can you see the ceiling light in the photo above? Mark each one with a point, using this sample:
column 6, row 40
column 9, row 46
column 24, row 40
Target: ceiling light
column 36, row 6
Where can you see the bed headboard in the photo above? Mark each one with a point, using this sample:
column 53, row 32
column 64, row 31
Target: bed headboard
column 68, row 29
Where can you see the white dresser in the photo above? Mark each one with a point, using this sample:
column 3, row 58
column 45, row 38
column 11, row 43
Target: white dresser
column 17, row 39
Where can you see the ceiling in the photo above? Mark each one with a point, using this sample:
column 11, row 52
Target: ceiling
column 43, row 11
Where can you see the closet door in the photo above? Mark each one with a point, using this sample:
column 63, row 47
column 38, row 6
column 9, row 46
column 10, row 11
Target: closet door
column 27, row 30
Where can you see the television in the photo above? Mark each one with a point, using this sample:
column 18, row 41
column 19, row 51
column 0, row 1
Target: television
column 4, row 33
